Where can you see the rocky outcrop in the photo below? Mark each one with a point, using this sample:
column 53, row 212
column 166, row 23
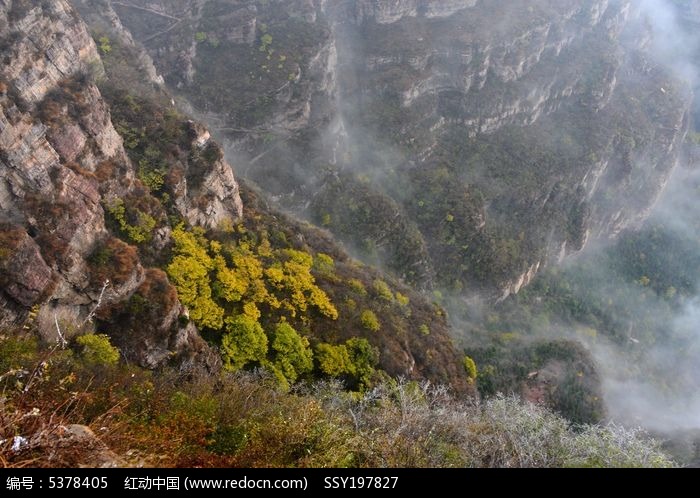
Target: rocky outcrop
column 519, row 282
column 52, row 38
column 61, row 163
column 71, row 445
column 25, row 276
column 210, row 197
column 75, row 445
column 243, row 23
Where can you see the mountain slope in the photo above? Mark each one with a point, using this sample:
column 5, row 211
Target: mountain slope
column 106, row 193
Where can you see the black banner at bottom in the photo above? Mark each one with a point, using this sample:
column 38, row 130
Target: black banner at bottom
column 165, row 482
column 26, row 482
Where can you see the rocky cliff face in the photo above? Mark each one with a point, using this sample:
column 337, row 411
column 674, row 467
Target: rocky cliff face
column 62, row 164
column 460, row 143
column 31, row 166
column 387, row 12
column 486, row 70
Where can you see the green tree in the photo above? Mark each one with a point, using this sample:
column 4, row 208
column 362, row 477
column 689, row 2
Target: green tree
column 356, row 361
column 291, row 354
column 383, row 290
column 243, row 344
column 265, row 42
column 364, row 359
column 334, row 360
column 97, row 350
column 402, row 299
column 370, row 321
column 357, row 286
column 140, row 232
column 105, row 45
column 324, row 264
column 470, row 368
column 294, row 279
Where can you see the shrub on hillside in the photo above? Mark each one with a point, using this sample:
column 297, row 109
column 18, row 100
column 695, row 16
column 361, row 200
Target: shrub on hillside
column 96, row 349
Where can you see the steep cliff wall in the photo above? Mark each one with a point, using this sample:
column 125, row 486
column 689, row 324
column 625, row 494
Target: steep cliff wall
column 102, row 18
column 486, row 69
column 44, row 47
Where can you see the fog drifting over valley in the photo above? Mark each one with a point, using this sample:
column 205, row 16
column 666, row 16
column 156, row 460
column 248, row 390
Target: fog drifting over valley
column 675, row 354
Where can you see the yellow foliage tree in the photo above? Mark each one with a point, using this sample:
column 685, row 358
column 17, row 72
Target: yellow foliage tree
column 252, row 279
column 189, row 272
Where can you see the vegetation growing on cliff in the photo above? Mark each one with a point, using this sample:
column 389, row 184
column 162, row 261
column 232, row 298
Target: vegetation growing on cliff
column 253, row 278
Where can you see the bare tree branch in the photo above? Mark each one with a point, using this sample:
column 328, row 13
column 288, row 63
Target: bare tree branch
column 91, row 315
column 61, row 339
